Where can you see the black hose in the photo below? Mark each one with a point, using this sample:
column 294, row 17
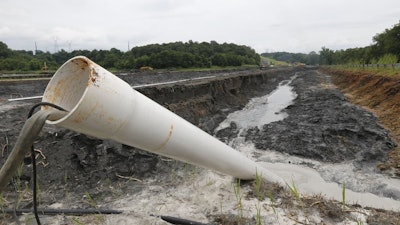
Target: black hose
column 71, row 212
column 180, row 221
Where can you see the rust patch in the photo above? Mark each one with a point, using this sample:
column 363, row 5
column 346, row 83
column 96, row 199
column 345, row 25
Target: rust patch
column 81, row 63
column 171, row 130
column 54, row 95
column 93, row 77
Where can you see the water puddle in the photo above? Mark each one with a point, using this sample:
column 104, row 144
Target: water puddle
column 364, row 187
column 263, row 110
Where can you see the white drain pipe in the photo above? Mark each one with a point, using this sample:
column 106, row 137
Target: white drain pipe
column 104, row 106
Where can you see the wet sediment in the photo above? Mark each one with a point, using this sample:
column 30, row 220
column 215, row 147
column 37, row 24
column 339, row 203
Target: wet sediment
column 323, row 125
column 379, row 95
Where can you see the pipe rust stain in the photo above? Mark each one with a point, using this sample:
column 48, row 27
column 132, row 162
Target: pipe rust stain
column 93, row 77
column 81, row 63
column 171, row 129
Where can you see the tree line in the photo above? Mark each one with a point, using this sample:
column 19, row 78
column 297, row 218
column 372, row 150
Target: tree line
column 311, row 58
column 384, row 50
column 169, row 55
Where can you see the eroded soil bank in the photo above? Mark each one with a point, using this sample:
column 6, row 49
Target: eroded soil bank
column 323, row 125
column 379, row 95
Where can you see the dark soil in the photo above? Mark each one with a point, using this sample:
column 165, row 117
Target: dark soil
column 379, row 95
column 323, row 125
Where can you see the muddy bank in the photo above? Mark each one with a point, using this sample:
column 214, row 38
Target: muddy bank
column 324, row 126
column 381, row 96
column 73, row 163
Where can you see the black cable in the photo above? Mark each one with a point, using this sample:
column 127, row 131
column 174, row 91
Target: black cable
column 34, row 177
column 71, row 212
column 46, row 104
column 178, row 221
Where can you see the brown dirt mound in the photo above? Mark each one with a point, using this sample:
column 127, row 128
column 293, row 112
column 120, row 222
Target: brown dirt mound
column 379, row 94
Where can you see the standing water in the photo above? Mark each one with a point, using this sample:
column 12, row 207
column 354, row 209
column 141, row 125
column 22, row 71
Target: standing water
column 263, row 110
column 364, row 187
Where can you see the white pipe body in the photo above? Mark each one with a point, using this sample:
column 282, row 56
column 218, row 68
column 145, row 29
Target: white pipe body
column 104, row 106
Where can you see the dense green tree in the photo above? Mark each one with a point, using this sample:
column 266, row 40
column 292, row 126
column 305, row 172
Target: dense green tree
column 287, row 57
column 219, row 59
column 142, row 61
column 326, row 56
column 388, row 59
column 385, row 48
column 388, row 42
column 4, row 50
column 167, row 55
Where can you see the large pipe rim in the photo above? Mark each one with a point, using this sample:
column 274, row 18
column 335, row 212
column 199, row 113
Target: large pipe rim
column 77, row 89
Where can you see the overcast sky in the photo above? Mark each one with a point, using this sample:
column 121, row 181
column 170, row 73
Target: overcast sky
column 264, row 25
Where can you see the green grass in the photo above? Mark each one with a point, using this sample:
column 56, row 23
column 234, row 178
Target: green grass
column 344, row 196
column 77, row 221
column 239, row 196
column 257, row 186
column 295, row 192
column 379, row 71
column 91, row 201
column 212, row 68
column 258, row 214
column 275, row 62
column 38, row 72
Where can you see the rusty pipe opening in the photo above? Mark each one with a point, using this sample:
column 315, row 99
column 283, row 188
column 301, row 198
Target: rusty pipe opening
column 97, row 101
column 67, row 87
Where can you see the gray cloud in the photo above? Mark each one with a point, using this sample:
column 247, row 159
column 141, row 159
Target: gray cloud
column 287, row 25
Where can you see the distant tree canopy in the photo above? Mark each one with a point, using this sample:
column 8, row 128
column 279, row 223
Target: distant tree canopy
column 169, row 55
column 384, row 50
column 311, row 59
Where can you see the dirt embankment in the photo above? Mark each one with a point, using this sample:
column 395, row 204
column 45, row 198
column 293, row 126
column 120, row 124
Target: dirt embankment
column 380, row 95
column 207, row 102
column 324, row 126
column 74, row 163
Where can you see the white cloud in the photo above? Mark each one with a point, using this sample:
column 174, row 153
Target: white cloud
column 4, row 31
column 290, row 25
